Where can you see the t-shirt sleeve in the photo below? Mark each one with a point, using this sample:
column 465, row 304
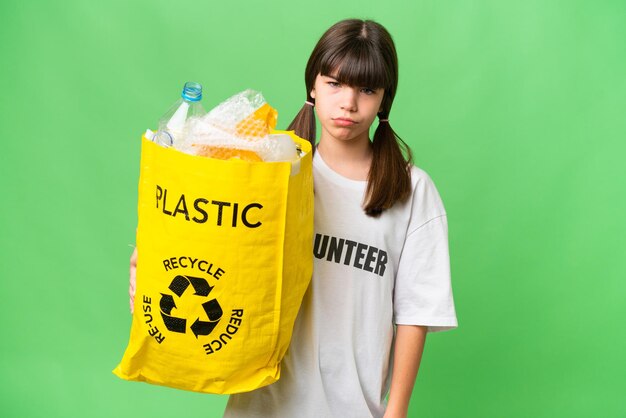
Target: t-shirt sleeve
column 423, row 289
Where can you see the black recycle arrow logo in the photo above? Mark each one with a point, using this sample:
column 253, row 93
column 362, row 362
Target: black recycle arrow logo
column 212, row 307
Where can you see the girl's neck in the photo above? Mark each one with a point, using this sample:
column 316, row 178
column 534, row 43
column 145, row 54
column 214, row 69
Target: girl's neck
column 350, row 159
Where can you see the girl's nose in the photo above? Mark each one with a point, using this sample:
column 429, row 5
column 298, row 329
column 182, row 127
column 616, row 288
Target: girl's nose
column 349, row 98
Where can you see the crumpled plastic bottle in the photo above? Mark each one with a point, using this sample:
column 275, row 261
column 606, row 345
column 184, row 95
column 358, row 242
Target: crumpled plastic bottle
column 172, row 123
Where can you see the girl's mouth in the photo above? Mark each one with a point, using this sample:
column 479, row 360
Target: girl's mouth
column 344, row 122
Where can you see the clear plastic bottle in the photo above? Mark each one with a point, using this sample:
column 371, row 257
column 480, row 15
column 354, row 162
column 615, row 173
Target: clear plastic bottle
column 172, row 124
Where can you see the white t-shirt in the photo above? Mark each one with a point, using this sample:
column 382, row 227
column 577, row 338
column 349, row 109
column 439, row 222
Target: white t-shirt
column 369, row 274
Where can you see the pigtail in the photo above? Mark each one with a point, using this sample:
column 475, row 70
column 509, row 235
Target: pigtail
column 304, row 123
column 389, row 179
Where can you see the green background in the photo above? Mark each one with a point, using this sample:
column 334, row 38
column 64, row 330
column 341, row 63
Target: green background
column 515, row 108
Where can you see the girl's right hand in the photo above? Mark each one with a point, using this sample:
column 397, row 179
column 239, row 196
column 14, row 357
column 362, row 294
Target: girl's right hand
column 131, row 287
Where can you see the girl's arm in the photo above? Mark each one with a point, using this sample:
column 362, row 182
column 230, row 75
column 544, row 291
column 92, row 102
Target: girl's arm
column 407, row 355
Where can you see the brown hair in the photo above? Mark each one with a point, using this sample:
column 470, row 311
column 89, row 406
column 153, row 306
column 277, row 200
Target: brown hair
column 361, row 53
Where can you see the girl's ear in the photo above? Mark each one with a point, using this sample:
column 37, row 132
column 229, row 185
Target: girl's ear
column 312, row 94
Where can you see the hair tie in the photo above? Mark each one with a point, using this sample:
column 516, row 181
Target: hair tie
column 309, row 103
column 383, row 120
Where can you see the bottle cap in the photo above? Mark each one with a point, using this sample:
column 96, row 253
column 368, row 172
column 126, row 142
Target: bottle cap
column 192, row 91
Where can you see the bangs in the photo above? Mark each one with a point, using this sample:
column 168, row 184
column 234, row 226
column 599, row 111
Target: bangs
column 357, row 64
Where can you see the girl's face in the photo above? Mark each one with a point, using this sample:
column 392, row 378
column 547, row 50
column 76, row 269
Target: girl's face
column 345, row 112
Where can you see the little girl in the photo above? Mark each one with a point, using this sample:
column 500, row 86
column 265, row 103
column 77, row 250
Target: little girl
column 381, row 276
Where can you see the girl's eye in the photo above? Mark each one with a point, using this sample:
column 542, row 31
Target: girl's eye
column 368, row 91
column 333, row 84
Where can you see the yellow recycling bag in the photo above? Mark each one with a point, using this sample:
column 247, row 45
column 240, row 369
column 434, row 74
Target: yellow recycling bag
column 224, row 259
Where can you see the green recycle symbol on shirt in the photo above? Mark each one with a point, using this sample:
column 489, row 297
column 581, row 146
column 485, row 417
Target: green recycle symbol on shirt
column 212, row 308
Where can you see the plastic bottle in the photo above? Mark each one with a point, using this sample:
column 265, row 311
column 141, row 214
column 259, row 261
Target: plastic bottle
column 172, row 124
